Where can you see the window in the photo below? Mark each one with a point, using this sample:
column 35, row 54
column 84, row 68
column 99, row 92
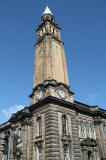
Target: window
column 20, row 133
column 39, row 154
column 64, row 125
column 66, row 152
column 39, row 126
column 82, row 129
column 89, row 155
column 92, row 131
column 78, row 128
column 50, row 28
column 53, row 30
column 104, row 130
column 51, row 19
column 87, row 129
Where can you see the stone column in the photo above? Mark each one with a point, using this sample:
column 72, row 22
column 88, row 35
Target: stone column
column 27, row 139
column 100, row 137
column 103, row 139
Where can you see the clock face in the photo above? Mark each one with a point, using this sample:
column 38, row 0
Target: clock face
column 39, row 95
column 61, row 93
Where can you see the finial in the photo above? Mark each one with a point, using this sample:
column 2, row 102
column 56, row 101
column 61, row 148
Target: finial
column 47, row 11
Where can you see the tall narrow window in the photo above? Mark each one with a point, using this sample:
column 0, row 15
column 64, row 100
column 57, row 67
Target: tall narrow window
column 39, row 126
column 89, row 155
column 92, row 131
column 53, row 30
column 66, row 152
column 50, row 28
column 20, row 133
column 39, row 153
column 104, row 130
column 78, row 128
column 64, row 124
column 82, row 129
column 87, row 129
column 42, row 31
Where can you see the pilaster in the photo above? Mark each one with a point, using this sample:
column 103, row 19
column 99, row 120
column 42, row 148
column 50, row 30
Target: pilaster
column 76, row 142
column 52, row 148
column 100, row 136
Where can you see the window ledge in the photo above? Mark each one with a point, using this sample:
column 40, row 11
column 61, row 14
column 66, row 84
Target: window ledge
column 38, row 139
column 66, row 138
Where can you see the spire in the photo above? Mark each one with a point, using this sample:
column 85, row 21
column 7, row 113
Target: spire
column 47, row 11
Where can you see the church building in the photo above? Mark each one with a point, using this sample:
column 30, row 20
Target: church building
column 55, row 126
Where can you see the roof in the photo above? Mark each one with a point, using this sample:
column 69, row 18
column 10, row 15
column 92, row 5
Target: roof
column 47, row 11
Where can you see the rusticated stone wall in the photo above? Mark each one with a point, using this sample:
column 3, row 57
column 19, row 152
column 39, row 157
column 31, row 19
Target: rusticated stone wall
column 52, row 147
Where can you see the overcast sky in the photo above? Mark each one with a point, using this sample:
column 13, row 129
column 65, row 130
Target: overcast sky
column 83, row 25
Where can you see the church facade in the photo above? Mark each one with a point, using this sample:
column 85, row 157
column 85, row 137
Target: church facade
column 54, row 126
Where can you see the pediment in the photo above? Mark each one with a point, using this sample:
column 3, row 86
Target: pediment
column 89, row 142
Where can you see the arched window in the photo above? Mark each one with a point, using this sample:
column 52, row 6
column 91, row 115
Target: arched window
column 64, row 124
column 66, row 152
column 87, row 129
column 82, row 129
column 39, row 126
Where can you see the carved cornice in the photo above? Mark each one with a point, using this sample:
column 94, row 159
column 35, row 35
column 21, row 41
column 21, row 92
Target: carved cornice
column 53, row 100
column 20, row 115
column 52, row 83
column 100, row 113
column 47, row 34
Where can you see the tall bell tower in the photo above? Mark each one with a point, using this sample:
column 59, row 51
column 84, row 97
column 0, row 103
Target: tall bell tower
column 50, row 64
column 50, row 60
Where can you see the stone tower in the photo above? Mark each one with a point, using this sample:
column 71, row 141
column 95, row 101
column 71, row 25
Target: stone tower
column 50, row 60
column 50, row 64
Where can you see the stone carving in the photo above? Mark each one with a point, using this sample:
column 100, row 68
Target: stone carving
column 89, row 142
